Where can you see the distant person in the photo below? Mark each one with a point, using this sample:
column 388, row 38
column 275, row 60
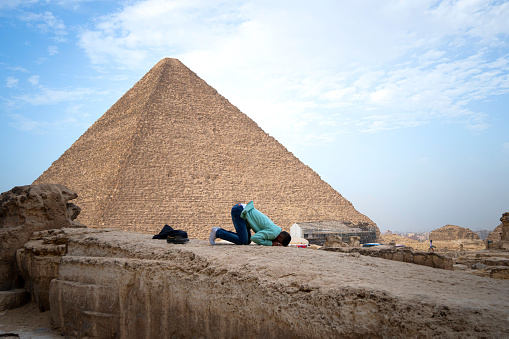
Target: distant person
column 246, row 218
column 431, row 247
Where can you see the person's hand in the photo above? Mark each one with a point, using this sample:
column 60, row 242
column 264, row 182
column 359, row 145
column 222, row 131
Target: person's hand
column 276, row 243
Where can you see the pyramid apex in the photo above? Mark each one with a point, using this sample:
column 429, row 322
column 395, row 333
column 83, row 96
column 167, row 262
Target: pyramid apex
column 169, row 61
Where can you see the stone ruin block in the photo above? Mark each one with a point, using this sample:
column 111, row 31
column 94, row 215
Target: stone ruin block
column 38, row 261
column 24, row 210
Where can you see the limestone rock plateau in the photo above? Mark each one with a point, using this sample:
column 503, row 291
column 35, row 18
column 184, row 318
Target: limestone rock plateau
column 127, row 285
column 107, row 283
column 174, row 151
column 24, row 210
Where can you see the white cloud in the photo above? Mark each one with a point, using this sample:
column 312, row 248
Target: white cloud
column 34, row 80
column 10, row 4
column 382, row 65
column 74, row 117
column 7, row 4
column 11, row 82
column 381, row 96
column 41, row 60
column 46, row 23
column 133, row 35
column 52, row 50
column 18, row 69
column 48, row 96
column 23, row 123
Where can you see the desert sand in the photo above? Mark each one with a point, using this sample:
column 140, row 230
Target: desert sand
column 27, row 322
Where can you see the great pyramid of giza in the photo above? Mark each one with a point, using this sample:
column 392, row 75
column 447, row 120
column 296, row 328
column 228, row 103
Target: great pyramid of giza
column 174, row 151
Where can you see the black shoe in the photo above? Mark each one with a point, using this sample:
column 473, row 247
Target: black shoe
column 176, row 239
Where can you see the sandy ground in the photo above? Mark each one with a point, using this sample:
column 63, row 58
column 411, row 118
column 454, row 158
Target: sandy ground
column 27, row 322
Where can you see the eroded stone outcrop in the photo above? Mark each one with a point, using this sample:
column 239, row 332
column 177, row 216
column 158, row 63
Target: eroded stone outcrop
column 503, row 242
column 495, row 235
column 505, row 228
column 334, row 241
column 24, row 210
column 39, row 260
column 124, row 284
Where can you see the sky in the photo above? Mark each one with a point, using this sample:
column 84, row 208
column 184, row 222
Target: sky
column 401, row 106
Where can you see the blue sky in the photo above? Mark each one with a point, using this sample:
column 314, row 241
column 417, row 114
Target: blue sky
column 401, row 106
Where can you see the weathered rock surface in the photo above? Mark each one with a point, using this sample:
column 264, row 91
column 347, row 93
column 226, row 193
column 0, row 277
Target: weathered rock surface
column 487, row 263
column 505, row 226
column 495, row 235
column 13, row 298
column 407, row 255
column 503, row 243
column 24, row 210
column 334, row 241
column 123, row 284
column 39, row 259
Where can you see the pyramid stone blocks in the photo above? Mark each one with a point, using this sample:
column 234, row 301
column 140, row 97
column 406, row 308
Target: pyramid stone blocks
column 174, row 151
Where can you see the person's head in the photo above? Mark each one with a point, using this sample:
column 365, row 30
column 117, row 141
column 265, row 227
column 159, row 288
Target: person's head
column 283, row 238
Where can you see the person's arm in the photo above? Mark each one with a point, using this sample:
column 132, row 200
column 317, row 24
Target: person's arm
column 262, row 238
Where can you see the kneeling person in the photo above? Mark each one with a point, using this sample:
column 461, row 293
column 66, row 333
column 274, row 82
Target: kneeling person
column 246, row 218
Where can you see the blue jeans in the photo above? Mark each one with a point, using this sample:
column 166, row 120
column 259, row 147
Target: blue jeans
column 243, row 235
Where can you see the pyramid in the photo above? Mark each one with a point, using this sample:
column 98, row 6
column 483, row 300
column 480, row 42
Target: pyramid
column 173, row 151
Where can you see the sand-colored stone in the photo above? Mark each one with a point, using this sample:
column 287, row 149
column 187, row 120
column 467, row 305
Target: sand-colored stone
column 39, row 259
column 124, row 284
column 503, row 243
column 495, row 235
column 397, row 239
column 27, row 322
column 174, row 151
column 24, row 210
column 407, row 255
column 333, row 240
column 452, row 238
column 13, row 298
column 452, row 232
column 354, row 241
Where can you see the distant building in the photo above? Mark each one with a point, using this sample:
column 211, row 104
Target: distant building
column 316, row 232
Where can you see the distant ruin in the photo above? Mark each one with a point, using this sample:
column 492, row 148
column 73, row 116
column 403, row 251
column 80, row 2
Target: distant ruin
column 496, row 234
column 455, row 238
column 174, row 151
column 503, row 243
column 453, row 232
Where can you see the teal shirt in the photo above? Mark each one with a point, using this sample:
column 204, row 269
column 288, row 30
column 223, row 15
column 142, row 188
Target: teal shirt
column 265, row 230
